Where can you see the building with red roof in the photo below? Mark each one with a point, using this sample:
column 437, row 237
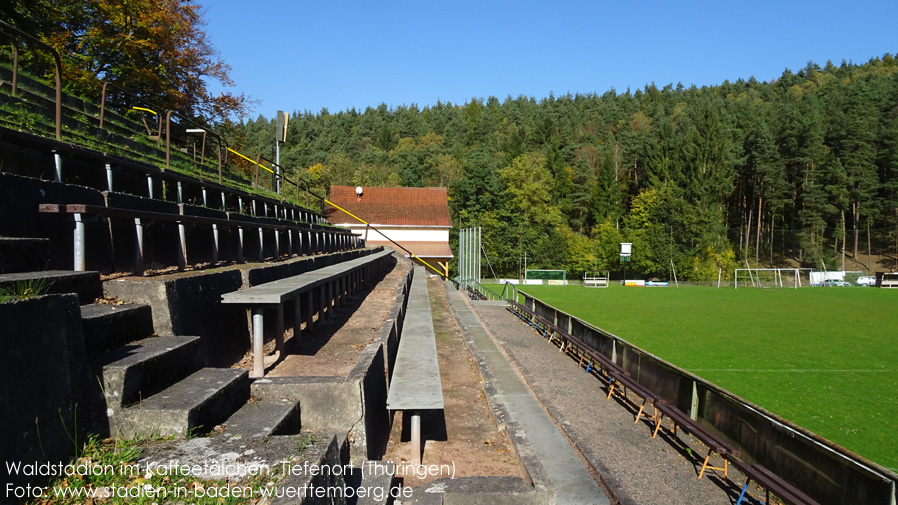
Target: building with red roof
column 415, row 218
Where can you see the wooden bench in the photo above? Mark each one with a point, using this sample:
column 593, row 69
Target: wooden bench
column 274, row 294
column 415, row 384
column 771, row 483
column 687, row 424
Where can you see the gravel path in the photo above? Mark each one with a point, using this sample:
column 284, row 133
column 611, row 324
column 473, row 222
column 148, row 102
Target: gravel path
column 635, row 467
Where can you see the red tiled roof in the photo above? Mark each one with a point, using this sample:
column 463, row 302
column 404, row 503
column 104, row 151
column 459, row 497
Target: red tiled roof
column 391, row 206
column 420, row 249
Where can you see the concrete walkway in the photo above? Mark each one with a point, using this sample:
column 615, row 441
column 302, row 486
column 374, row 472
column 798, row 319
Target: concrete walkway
column 635, row 468
column 573, row 483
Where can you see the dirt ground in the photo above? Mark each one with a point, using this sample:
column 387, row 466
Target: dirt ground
column 466, row 437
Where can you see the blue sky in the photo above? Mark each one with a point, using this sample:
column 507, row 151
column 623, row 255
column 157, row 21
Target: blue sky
column 301, row 55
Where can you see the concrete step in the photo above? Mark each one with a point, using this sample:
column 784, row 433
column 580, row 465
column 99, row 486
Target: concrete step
column 86, row 285
column 109, row 326
column 376, row 479
column 24, row 254
column 144, row 368
column 194, row 405
column 264, row 418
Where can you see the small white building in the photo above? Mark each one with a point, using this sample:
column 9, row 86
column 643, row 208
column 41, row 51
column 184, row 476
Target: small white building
column 415, row 218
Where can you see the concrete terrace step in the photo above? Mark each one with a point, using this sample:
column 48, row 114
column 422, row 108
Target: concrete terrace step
column 86, row 285
column 24, row 254
column 139, row 370
column 109, row 326
column 264, row 418
column 195, row 404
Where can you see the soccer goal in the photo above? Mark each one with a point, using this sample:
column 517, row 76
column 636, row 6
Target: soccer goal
column 551, row 277
column 767, row 277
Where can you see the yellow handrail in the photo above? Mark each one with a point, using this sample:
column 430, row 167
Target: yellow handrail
column 251, row 161
column 151, row 111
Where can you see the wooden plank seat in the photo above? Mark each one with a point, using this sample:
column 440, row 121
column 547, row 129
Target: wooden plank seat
column 771, row 483
column 714, row 443
column 328, row 282
column 415, row 383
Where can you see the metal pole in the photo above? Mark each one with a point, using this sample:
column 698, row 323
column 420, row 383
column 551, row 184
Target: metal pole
column 58, row 159
column 416, row 438
column 258, row 341
column 79, row 244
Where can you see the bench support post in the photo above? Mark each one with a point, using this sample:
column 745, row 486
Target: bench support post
column 80, row 244
column 138, row 256
column 416, row 437
column 182, row 246
column 279, row 330
column 240, row 244
column 258, row 341
column 214, row 243
column 297, row 318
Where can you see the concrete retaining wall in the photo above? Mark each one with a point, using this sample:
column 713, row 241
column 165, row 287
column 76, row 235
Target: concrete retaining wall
column 828, row 473
column 46, row 392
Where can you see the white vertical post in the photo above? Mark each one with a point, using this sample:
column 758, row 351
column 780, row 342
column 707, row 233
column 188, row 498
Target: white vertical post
column 214, row 243
column 58, row 160
column 240, row 244
column 205, row 199
column 150, row 187
column 180, row 193
column 138, row 257
column 109, row 177
column 258, row 342
column 79, row 261
column 182, row 247
column 416, row 438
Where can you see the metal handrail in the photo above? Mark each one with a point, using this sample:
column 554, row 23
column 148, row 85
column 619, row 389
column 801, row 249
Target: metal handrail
column 206, row 129
column 57, row 60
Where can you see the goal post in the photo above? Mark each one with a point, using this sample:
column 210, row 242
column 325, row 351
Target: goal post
column 767, row 278
column 551, row 277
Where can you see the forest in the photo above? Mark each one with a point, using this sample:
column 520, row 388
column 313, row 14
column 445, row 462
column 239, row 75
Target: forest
column 799, row 171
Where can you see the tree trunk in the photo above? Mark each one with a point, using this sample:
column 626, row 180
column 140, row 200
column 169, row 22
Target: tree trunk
column 758, row 238
column 856, row 208
column 748, row 232
column 869, row 248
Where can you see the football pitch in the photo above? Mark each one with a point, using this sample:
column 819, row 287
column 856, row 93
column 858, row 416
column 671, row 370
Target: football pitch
column 824, row 358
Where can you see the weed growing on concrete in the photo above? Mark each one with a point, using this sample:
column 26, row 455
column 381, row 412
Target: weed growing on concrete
column 24, row 289
column 303, row 443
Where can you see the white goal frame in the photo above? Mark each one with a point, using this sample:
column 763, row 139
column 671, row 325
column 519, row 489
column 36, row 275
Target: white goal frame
column 755, row 280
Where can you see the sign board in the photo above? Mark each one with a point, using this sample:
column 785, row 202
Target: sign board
column 557, row 282
column 658, row 284
column 626, row 248
column 280, row 135
column 638, row 283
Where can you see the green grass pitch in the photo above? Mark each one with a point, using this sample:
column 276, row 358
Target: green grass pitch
column 824, row 358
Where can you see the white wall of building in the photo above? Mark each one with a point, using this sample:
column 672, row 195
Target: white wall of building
column 401, row 234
